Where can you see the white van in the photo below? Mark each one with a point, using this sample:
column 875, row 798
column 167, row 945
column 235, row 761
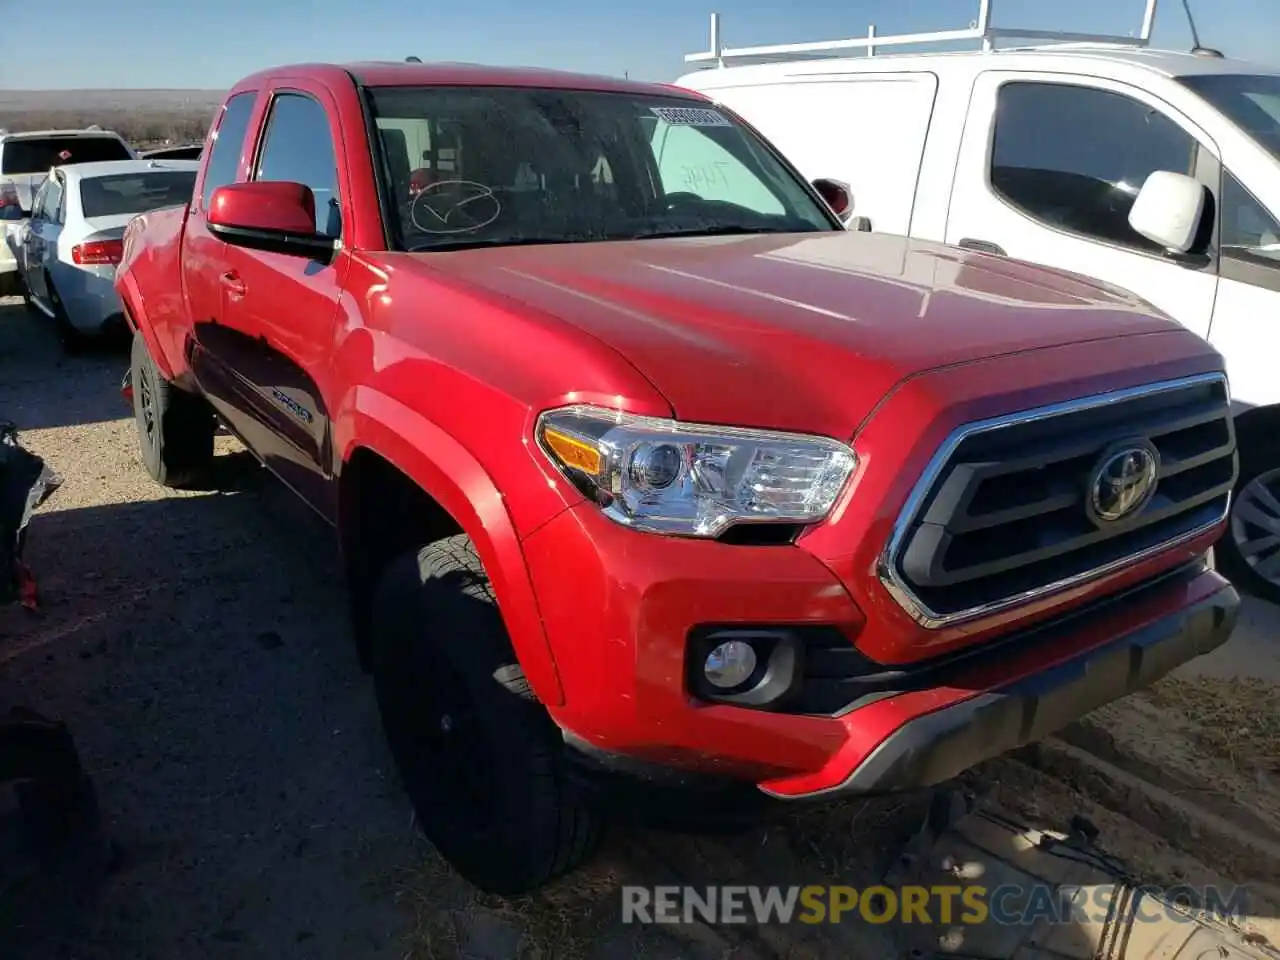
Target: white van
column 1156, row 171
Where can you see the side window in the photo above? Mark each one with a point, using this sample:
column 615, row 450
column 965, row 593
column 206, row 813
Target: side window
column 1075, row 157
column 689, row 161
column 228, row 142
column 1247, row 230
column 299, row 147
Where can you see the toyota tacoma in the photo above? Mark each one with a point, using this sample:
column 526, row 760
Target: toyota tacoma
column 643, row 466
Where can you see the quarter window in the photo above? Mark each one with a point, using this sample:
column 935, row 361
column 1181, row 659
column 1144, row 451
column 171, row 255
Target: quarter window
column 1075, row 157
column 299, row 148
column 228, row 142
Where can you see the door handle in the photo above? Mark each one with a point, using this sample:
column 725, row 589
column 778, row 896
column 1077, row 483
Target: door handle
column 233, row 284
column 982, row 246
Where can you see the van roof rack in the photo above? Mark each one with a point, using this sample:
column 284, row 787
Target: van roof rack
column 980, row 29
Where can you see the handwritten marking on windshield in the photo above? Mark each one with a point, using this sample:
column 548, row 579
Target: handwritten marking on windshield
column 701, row 176
column 436, row 210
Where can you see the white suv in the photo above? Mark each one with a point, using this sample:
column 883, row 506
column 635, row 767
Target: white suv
column 25, row 159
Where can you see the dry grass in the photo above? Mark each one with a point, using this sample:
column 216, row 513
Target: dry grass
column 1238, row 719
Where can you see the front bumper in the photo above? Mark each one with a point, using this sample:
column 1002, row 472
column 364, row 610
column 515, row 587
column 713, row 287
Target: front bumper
column 622, row 611
column 936, row 746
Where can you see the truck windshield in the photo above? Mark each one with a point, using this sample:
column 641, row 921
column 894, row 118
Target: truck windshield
column 38, row 154
column 467, row 167
column 1251, row 102
column 128, row 193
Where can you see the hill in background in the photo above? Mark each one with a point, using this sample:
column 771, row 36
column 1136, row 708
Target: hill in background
column 143, row 117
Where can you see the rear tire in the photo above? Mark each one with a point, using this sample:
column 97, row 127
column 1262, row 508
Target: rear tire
column 1249, row 552
column 175, row 429
column 480, row 758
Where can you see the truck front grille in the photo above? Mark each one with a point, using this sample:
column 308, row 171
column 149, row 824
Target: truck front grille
column 1022, row 505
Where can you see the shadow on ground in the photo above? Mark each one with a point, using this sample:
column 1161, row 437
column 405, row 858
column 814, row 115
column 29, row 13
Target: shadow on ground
column 200, row 653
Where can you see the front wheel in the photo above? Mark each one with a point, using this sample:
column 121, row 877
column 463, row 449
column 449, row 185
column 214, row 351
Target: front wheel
column 480, row 758
column 1249, row 552
column 175, row 429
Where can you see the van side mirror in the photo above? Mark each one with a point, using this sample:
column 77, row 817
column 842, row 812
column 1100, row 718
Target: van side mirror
column 1168, row 210
column 273, row 215
column 837, row 195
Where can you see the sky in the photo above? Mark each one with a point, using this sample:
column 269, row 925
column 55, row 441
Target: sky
column 211, row 44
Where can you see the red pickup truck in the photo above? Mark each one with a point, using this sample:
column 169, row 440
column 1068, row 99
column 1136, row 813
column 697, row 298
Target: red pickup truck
column 643, row 467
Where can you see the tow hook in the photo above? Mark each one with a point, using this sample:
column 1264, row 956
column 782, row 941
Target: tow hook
column 126, row 388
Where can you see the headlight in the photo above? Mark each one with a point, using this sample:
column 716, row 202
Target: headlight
column 678, row 478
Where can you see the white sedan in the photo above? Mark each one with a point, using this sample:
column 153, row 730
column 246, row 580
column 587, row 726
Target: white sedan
column 73, row 241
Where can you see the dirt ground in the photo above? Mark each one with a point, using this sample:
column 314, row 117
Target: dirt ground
column 197, row 646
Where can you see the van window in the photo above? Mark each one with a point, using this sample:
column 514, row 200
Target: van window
column 1248, row 231
column 1075, row 157
column 1251, row 102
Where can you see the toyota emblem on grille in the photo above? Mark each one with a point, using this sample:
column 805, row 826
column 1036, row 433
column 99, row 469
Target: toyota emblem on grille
column 1123, row 482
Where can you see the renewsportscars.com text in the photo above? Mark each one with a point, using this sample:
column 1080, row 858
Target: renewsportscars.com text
column 1008, row 904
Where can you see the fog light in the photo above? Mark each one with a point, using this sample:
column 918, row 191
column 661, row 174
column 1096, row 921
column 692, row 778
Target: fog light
column 730, row 664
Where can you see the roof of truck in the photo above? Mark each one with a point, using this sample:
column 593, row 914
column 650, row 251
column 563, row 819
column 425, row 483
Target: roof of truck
column 401, row 74
column 1172, row 63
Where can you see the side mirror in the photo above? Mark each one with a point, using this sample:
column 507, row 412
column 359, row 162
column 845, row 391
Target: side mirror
column 274, row 215
column 1168, row 210
column 837, row 195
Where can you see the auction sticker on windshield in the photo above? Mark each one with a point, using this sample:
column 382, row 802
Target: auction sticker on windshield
column 690, row 117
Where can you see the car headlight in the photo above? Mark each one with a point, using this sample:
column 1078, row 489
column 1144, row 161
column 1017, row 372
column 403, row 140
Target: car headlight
column 669, row 477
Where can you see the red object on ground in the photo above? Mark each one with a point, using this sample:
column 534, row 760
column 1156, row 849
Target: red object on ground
column 27, row 594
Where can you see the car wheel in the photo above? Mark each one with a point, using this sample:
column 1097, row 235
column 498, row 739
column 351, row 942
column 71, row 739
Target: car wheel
column 481, row 760
column 72, row 340
column 175, row 429
column 1249, row 552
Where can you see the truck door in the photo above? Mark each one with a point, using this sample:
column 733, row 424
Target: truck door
column 280, row 310
column 1049, row 167
column 204, row 256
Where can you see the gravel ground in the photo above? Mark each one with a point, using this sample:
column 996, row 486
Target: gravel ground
column 197, row 646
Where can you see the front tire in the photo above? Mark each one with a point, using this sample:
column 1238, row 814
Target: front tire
column 1249, row 552
column 480, row 758
column 175, row 429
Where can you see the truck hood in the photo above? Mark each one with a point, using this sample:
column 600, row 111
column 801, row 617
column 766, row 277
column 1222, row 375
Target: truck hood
column 794, row 331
